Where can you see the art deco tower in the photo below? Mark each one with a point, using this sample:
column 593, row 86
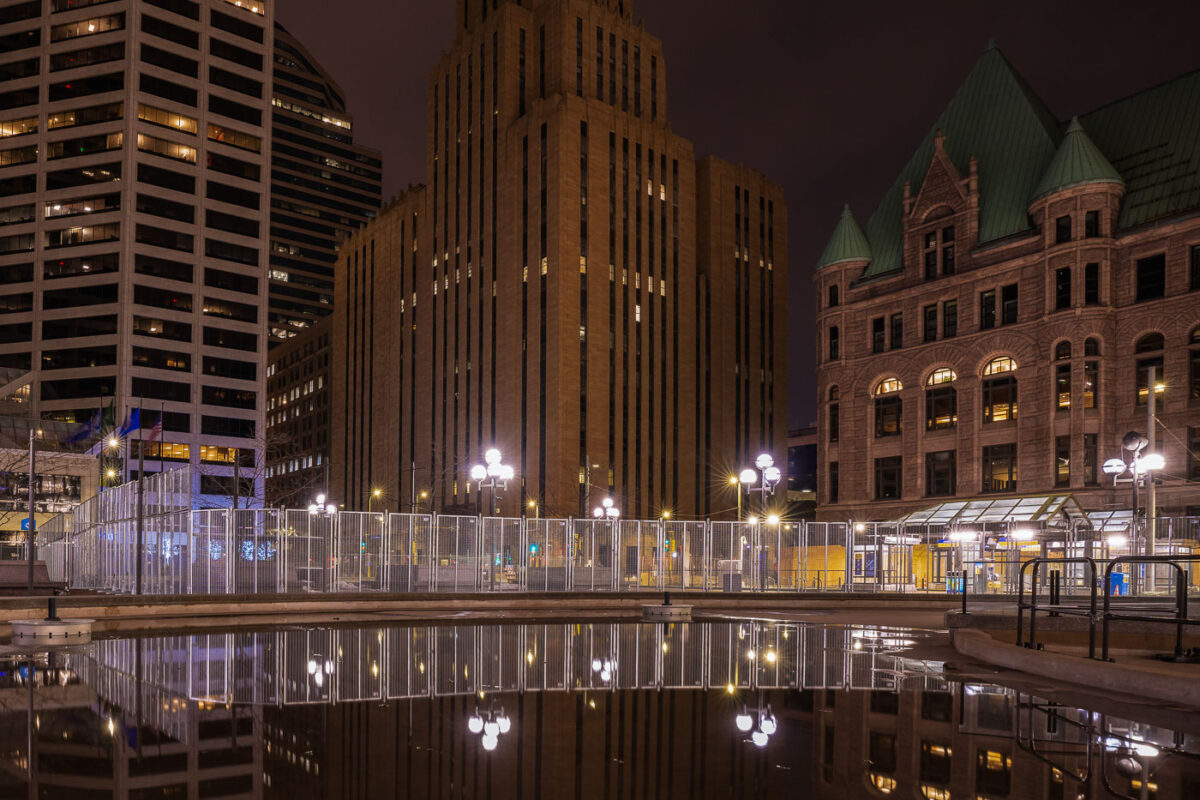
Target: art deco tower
column 570, row 286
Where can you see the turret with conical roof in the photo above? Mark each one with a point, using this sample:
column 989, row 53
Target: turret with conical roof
column 1077, row 162
column 848, row 243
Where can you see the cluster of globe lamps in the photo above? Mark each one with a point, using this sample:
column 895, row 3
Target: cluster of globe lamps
column 491, row 727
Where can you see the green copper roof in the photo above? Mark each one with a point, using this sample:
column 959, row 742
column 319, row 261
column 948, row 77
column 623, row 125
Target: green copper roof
column 1153, row 139
column 846, row 244
column 1077, row 162
column 997, row 118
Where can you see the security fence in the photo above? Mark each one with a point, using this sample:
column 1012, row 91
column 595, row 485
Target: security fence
column 264, row 550
column 302, row 666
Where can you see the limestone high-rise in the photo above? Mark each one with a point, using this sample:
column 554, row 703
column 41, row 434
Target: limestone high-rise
column 570, row 285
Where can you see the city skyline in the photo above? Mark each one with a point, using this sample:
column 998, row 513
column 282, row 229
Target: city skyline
column 1080, row 56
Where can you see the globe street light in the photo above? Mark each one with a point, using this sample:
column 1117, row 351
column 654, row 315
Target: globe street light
column 319, row 507
column 492, row 474
column 762, row 478
column 1140, row 468
column 606, row 509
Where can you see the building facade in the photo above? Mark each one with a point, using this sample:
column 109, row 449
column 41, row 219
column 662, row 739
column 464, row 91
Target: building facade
column 550, row 290
column 1017, row 257
column 297, row 440
column 323, row 186
column 133, row 153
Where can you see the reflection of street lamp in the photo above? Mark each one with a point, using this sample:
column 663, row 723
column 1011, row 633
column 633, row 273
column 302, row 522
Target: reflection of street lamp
column 604, row 668
column 759, row 722
column 318, row 668
column 1133, row 757
column 492, row 475
column 492, row 726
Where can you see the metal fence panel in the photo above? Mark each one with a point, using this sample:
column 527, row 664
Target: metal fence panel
column 262, row 551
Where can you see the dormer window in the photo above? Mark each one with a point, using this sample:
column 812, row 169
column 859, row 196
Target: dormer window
column 939, row 253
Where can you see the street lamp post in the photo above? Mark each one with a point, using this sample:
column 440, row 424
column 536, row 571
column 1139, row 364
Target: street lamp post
column 608, row 510
column 492, row 475
column 318, row 509
column 763, row 477
column 1139, row 467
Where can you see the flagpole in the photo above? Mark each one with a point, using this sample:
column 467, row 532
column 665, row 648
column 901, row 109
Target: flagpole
column 141, row 498
column 100, row 451
column 32, row 519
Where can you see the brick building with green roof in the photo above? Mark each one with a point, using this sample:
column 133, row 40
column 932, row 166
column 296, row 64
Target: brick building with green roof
column 991, row 329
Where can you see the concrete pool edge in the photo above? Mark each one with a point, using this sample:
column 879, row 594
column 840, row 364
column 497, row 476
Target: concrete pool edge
column 1121, row 678
column 212, row 609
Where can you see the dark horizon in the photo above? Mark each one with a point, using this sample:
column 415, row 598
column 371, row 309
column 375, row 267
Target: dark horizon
column 852, row 71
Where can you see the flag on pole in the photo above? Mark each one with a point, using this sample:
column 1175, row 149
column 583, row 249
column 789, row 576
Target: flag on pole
column 131, row 423
column 156, row 431
column 85, row 431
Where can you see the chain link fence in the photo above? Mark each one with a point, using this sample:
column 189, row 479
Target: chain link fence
column 268, row 551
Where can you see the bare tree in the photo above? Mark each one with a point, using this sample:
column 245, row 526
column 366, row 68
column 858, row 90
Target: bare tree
column 270, row 447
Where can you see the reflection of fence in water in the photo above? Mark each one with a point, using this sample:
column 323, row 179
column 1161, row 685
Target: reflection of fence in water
column 263, row 551
column 334, row 665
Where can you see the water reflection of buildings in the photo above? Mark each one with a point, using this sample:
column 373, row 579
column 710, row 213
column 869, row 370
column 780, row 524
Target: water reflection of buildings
column 102, row 727
column 385, row 712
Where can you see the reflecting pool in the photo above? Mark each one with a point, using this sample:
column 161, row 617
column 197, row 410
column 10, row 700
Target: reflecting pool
column 746, row 708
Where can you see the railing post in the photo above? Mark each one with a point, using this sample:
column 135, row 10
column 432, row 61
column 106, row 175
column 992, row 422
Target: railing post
column 1107, row 606
column 1180, row 608
column 1033, row 598
column 964, row 592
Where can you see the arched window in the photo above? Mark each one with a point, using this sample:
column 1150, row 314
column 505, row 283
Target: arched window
column 1149, row 343
column 1062, row 350
column 888, row 408
column 999, row 365
column 941, row 400
column 888, row 386
column 1149, row 350
column 942, row 375
column 999, row 390
column 834, row 343
column 834, row 417
column 1091, row 347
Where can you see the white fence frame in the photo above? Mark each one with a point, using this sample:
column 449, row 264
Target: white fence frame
column 286, row 551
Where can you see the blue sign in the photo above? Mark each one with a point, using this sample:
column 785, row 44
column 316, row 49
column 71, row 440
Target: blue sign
column 25, row 524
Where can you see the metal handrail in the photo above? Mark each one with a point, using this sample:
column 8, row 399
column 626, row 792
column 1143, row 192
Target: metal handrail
column 1033, row 604
column 1181, row 599
column 1050, row 711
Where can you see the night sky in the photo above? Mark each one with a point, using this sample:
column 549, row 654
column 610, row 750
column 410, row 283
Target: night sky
column 827, row 97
